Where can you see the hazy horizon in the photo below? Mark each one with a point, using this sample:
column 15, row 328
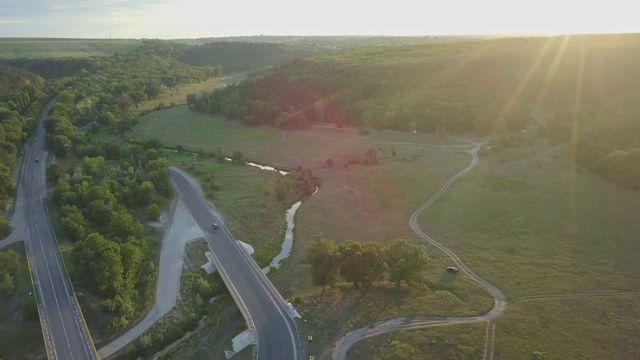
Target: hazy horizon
column 175, row 19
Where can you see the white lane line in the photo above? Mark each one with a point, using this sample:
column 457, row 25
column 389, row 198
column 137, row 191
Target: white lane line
column 71, row 301
column 45, row 321
column 55, row 296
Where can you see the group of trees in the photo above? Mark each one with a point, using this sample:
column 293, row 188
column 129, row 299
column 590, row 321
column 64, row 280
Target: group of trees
column 298, row 184
column 363, row 263
column 104, row 192
column 19, row 90
column 97, row 198
column 9, row 263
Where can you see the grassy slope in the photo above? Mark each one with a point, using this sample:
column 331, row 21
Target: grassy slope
column 371, row 203
column 179, row 95
column 591, row 328
column 442, row 343
column 533, row 224
column 525, row 218
column 247, row 201
column 36, row 48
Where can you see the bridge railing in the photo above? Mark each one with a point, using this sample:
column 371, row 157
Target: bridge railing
column 234, row 293
column 46, row 333
column 265, row 280
column 71, row 291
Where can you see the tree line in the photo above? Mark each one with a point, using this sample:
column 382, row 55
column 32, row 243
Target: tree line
column 363, row 263
column 486, row 87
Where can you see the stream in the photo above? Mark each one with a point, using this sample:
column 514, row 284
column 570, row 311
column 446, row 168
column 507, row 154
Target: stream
column 287, row 244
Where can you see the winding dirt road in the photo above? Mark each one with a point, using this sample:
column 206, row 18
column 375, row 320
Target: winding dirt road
column 500, row 303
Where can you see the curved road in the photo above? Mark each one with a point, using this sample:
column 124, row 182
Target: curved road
column 261, row 305
column 500, row 303
column 64, row 332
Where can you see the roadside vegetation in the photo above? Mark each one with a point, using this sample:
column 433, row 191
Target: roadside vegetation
column 203, row 298
column 20, row 331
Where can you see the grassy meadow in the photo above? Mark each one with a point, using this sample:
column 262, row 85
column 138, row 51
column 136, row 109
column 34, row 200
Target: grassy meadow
column 246, row 198
column 15, row 48
column 371, row 203
column 463, row 342
column 178, row 95
column 525, row 218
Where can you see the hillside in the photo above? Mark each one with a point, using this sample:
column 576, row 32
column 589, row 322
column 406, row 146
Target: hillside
column 586, row 83
column 32, row 55
column 240, row 56
column 12, row 79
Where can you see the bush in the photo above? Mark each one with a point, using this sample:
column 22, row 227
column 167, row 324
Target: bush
column 362, row 130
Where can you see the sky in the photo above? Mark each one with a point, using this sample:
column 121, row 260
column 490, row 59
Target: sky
column 171, row 19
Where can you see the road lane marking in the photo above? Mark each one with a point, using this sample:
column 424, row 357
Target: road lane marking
column 55, row 296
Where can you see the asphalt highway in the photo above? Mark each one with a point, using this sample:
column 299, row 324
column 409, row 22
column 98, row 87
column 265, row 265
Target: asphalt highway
column 64, row 332
column 276, row 332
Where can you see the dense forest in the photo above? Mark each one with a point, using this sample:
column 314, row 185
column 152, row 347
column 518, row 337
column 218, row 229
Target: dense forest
column 587, row 82
column 103, row 192
column 19, row 90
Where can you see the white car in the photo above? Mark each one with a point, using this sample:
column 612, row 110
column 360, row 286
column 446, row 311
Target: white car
column 453, row 270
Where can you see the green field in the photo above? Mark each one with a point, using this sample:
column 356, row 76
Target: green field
column 360, row 202
column 460, row 342
column 579, row 328
column 246, row 198
column 526, row 218
column 16, row 48
column 178, row 95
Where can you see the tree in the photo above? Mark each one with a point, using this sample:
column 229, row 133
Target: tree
column 404, row 260
column 54, row 172
column 361, row 263
column 6, row 284
column 137, row 97
column 125, row 104
column 324, row 259
column 9, row 260
column 191, row 98
column 7, row 188
column 219, row 155
column 5, row 227
column 98, row 262
column 238, row 158
column 329, row 162
column 371, row 157
column 72, row 223
column 122, row 224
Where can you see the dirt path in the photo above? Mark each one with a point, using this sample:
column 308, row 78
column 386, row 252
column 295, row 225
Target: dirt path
column 180, row 229
column 500, row 303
